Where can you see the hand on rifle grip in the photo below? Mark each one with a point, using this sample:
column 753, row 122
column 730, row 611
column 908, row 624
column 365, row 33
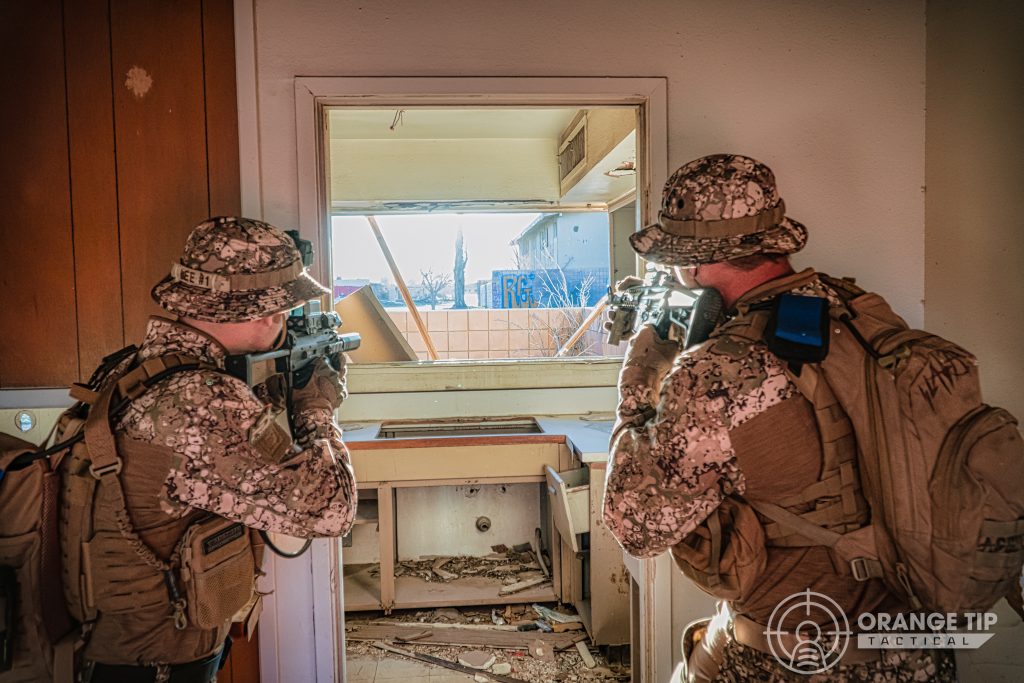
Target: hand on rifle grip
column 319, row 385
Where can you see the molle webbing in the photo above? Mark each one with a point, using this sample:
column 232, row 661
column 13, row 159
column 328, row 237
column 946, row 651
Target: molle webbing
column 105, row 463
column 839, row 504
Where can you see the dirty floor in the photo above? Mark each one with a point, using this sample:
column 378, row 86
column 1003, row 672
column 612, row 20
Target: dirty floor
column 369, row 664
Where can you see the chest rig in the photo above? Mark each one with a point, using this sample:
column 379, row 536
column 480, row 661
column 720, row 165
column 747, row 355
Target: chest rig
column 147, row 587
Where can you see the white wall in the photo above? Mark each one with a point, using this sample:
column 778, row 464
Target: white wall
column 441, row 520
column 975, row 242
column 480, row 168
column 828, row 93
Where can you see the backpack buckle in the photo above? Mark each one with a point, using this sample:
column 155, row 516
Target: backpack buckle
column 103, row 470
column 860, row 568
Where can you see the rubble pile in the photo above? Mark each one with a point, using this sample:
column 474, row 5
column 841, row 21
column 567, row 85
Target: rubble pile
column 509, row 566
column 528, row 643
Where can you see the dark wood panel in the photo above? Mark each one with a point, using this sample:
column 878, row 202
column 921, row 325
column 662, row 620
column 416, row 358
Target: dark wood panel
column 93, row 181
column 38, row 345
column 161, row 141
column 243, row 665
column 221, row 107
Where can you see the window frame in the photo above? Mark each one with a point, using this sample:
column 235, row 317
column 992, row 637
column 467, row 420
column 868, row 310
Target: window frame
column 315, row 95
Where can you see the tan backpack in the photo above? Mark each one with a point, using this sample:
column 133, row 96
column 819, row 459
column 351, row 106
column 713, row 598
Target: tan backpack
column 37, row 634
column 943, row 473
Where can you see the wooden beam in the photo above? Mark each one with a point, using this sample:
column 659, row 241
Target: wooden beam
column 388, row 540
column 454, row 666
column 459, row 635
column 598, row 309
column 420, row 325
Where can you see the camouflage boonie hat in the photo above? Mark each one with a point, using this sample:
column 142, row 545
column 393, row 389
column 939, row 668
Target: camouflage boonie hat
column 234, row 270
column 718, row 208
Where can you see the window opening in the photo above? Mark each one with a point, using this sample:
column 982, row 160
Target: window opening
column 467, row 234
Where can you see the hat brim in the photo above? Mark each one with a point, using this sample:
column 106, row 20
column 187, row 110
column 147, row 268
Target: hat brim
column 235, row 307
column 654, row 244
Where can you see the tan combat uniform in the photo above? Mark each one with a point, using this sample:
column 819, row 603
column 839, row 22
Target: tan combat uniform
column 205, row 427
column 730, row 421
column 157, row 557
column 212, row 422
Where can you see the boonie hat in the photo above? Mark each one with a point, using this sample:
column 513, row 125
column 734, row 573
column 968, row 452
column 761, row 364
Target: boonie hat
column 234, row 270
column 717, row 208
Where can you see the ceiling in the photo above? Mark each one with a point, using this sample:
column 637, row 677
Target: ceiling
column 497, row 156
column 441, row 124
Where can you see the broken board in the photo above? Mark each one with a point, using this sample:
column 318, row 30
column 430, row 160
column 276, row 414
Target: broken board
column 499, row 639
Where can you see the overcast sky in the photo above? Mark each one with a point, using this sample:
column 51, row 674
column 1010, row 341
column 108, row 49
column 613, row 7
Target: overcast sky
column 426, row 241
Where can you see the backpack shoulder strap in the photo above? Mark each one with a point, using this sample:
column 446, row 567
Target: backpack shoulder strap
column 131, row 385
column 753, row 309
column 837, row 503
column 105, row 462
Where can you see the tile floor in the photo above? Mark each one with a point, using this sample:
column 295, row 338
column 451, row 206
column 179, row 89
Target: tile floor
column 368, row 670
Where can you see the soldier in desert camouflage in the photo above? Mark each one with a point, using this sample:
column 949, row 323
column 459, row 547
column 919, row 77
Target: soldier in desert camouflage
column 203, row 442
column 698, row 430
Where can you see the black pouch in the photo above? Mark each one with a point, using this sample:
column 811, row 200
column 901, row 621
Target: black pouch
column 798, row 329
column 8, row 596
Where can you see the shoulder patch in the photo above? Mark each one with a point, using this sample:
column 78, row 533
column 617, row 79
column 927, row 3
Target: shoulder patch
column 269, row 439
column 731, row 347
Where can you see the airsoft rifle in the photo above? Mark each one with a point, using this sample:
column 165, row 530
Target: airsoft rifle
column 662, row 302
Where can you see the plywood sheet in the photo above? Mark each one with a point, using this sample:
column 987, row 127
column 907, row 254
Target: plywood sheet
column 221, row 108
column 93, row 182
column 401, row 463
column 38, row 340
column 157, row 53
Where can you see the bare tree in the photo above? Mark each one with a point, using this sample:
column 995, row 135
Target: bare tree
column 461, row 258
column 434, row 284
column 554, row 291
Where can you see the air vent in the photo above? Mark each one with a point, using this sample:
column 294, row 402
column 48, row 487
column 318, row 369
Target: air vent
column 449, row 428
column 572, row 153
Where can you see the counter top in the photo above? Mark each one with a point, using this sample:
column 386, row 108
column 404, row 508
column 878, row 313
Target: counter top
column 586, row 435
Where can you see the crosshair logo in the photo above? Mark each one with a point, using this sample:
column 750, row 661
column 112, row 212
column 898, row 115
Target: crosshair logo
column 820, row 638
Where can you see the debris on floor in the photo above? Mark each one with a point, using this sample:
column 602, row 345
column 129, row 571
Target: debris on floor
column 542, row 651
column 468, row 640
column 509, row 566
column 476, row 659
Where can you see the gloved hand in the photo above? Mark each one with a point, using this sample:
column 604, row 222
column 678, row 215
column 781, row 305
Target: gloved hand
column 620, row 286
column 325, row 387
column 648, row 360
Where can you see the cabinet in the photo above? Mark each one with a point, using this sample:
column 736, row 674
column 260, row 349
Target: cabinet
column 415, row 495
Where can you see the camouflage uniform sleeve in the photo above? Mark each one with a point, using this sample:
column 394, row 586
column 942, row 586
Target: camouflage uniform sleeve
column 235, row 460
column 668, row 473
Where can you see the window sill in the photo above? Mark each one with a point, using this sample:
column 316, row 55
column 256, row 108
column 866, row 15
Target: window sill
column 482, row 375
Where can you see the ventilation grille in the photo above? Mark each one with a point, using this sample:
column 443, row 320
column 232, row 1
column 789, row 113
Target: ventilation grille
column 573, row 152
column 398, row 430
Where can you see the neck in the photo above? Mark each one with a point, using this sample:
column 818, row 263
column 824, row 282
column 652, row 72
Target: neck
column 732, row 282
column 218, row 332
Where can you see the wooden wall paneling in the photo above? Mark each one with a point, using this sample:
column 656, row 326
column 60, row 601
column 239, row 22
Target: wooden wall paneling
column 243, row 664
column 93, row 181
column 38, row 344
column 221, row 108
column 161, row 141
